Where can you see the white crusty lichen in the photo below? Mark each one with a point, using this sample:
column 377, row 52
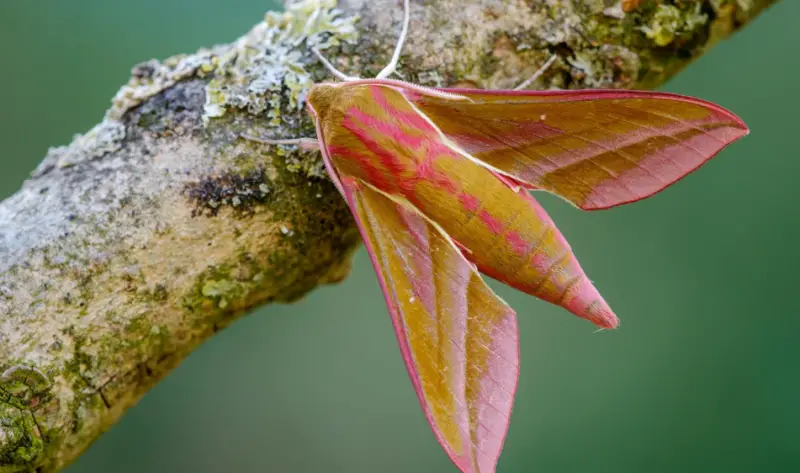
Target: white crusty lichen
column 106, row 137
column 599, row 68
column 252, row 72
column 153, row 77
column 267, row 72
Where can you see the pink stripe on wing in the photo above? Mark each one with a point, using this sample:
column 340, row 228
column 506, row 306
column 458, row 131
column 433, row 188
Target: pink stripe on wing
column 671, row 163
column 423, row 285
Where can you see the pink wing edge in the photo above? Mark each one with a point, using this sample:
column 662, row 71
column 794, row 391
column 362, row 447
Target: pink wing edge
column 397, row 324
column 584, row 94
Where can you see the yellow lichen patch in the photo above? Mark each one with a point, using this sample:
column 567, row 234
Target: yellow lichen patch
column 669, row 21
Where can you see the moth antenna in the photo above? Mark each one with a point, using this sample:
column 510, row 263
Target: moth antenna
column 537, row 74
column 399, row 48
column 336, row 72
column 304, row 143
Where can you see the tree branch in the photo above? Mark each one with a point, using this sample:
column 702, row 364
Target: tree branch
column 145, row 236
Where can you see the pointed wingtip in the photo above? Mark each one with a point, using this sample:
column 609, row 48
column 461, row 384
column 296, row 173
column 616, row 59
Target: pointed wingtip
column 606, row 318
column 737, row 121
column 745, row 130
column 587, row 303
column 599, row 313
column 739, row 126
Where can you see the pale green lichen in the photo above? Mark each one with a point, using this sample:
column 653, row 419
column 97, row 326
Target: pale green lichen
column 669, row 21
column 223, row 291
column 267, row 73
column 308, row 163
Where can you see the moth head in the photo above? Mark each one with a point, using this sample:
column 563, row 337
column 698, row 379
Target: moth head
column 322, row 97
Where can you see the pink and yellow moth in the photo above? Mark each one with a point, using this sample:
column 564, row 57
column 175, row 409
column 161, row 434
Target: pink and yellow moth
column 438, row 181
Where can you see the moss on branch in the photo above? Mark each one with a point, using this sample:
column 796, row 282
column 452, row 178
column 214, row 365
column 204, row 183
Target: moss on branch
column 161, row 225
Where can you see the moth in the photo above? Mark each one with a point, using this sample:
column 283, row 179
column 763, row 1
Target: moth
column 438, row 182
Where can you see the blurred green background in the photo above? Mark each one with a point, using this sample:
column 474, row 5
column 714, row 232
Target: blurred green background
column 701, row 377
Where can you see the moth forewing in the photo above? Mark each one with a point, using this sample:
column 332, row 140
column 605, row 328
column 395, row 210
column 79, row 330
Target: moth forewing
column 437, row 181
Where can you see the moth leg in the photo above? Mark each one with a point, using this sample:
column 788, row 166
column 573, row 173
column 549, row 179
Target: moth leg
column 336, row 72
column 399, row 47
column 536, row 74
column 303, row 143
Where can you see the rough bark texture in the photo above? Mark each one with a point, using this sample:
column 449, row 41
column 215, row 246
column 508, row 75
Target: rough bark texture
column 132, row 245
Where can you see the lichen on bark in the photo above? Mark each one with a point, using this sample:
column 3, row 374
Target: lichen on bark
column 161, row 225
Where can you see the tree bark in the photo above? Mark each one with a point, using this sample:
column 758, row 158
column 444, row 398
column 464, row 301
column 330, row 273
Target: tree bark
column 161, row 225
